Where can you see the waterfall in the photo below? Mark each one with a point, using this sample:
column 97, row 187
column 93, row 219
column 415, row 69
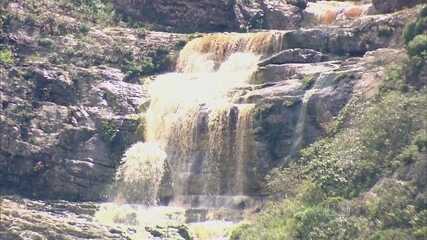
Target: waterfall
column 206, row 136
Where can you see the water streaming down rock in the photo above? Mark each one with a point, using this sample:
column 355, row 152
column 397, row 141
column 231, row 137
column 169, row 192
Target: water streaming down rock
column 140, row 176
column 194, row 118
column 218, row 47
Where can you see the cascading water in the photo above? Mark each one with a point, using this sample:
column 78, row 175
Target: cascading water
column 193, row 118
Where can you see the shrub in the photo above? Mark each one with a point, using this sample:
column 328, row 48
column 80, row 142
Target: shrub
column 6, row 56
column 418, row 46
column 409, row 32
column 46, row 42
column 394, row 79
column 310, row 221
column 99, row 11
column 108, row 131
column 391, row 234
column 148, row 67
column 84, row 28
column 417, row 27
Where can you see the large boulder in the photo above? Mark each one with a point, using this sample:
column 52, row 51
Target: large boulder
column 278, row 15
column 182, row 15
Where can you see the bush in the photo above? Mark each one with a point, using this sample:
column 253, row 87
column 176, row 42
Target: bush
column 84, row 29
column 410, row 32
column 6, row 56
column 276, row 222
column 415, row 28
column 418, row 46
column 99, row 11
column 391, row 234
column 108, row 131
column 310, row 221
column 46, row 42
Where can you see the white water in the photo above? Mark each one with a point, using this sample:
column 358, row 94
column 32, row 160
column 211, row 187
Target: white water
column 195, row 129
column 193, row 118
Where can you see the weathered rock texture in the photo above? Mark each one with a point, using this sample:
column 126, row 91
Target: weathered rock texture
column 66, row 103
column 24, row 219
column 215, row 16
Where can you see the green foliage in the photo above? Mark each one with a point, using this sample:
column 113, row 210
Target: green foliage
column 325, row 224
column 46, row 42
column 392, row 204
column 6, row 56
column 84, row 29
column 394, row 79
column 418, row 46
column 98, row 11
column 108, row 131
column 355, row 158
column 311, row 220
column 415, row 28
column 326, row 189
column 410, row 32
column 276, row 222
column 391, row 234
column 308, row 81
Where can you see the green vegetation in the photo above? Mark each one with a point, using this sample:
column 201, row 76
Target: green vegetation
column 366, row 179
column 418, row 46
column 308, row 81
column 109, row 131
column 6, row 56
column 416, row 40
column 97, row 11
column 334, row 174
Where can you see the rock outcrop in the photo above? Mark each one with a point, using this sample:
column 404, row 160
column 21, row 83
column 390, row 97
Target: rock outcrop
column 66, row 103
column 296, row 55
column 298, row 100
column 23, row 219
column 215, row 16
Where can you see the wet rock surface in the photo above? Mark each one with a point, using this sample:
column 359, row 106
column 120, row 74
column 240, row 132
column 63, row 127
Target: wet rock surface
column 23, row 219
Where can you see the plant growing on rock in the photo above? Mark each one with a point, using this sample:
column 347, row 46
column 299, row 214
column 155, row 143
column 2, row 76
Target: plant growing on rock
column 108, row 131
column 6, row 56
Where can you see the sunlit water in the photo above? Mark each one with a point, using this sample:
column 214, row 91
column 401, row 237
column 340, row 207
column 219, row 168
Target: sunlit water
column 135, row 218
column 198, row 141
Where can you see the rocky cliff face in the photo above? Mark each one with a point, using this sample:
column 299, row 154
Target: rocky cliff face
column 70, row 87
column 215, row 16
column 67, row 101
